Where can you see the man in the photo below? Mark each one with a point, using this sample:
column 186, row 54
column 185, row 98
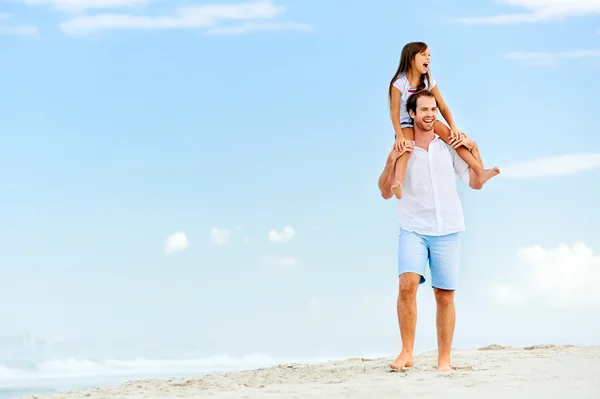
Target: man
column 431, row 219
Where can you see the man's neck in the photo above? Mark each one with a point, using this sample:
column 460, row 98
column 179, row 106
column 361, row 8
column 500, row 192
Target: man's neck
column 423, row 138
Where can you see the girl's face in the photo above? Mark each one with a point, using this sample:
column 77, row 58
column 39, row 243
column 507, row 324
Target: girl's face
column 422, row 61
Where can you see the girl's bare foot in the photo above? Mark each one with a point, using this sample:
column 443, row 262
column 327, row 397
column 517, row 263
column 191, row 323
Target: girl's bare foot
column 397, row 189
column 486, row 174
column 403, row 360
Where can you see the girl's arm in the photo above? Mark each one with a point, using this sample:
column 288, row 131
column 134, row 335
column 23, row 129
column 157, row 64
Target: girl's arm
column 444, row 110
column 474, row 181
column 388, row 176
column 395, row 113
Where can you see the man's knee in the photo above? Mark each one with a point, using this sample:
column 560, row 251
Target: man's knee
column 444, row 297
column 409, row 283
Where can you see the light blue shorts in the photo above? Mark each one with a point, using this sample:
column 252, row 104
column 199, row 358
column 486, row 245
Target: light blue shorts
column 442, row 253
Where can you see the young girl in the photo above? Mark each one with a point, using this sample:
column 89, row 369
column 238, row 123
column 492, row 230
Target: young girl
column 413, row 75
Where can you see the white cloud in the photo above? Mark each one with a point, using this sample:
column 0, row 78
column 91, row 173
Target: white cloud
column 285, row 235
column 252, row 27
column 282, row 262
column 554, row 166
column 550, row 58
column 176, row 242
column 508, row 295
column 536, row 11
column 9, row 27
column 220, row 236
column 208, row 16
column 565, row 277
column 81, row 5
column 19, row 30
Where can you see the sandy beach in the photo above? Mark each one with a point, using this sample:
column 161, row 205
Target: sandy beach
column 541, row 371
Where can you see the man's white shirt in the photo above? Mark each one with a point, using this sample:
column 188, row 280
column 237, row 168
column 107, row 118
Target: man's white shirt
column 430, row 203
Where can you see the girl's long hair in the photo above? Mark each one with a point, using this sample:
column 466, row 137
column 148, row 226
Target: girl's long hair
column 407, row 56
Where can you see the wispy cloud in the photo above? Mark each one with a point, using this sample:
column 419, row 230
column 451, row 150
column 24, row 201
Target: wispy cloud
column 550, row 58
column 554, row 166
column 562, row 277
column 19, row 30
column 220, row 236
column 285, row 235
column 176, row 242
column 215, row 19
column 10, row 27
column 535, row 11
column 282, row 262
column 82, row 5
column 249, row 28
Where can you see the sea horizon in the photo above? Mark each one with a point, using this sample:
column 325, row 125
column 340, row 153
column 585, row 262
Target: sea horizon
column 66, row 374
column 62, row 373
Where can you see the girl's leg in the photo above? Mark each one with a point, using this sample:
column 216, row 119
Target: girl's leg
column 482, row 174
column 401, row 163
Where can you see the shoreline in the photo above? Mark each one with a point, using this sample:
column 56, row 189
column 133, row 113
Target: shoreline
column 494, row 371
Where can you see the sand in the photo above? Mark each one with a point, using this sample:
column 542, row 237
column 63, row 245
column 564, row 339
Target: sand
column 543, row 371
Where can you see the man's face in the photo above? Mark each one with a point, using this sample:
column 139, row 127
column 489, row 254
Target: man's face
column 426, row 113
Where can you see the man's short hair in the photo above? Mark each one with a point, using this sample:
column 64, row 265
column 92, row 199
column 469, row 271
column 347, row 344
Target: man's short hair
column 411, row 103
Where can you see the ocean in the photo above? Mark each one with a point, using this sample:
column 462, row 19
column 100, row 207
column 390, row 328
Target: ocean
column 62, row 375
column 36, row 366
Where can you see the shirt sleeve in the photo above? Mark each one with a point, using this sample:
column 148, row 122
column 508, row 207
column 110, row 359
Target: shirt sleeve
column 461, row 168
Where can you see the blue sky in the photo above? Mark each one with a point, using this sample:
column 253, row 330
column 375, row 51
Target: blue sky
column 125, row 122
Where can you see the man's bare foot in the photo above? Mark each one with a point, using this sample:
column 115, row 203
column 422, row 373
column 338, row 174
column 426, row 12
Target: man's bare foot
column 444, row 365
column 397, row 189
column 486, row 174
column 403, row 360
